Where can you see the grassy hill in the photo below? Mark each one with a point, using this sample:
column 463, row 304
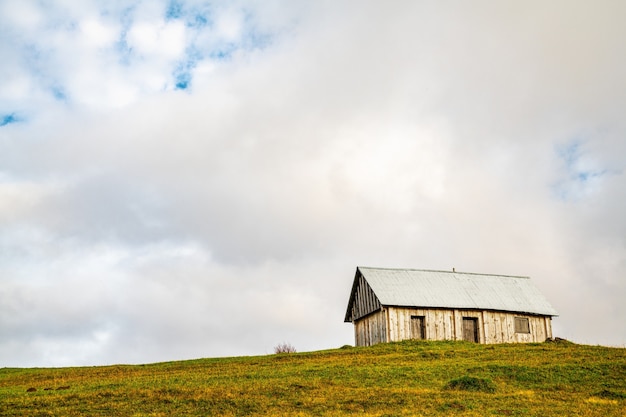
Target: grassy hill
column 398, row 379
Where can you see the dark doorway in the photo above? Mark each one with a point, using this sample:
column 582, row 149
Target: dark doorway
column 417, row 327
column 470, row 329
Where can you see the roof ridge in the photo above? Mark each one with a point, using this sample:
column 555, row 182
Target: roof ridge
column 445, row 271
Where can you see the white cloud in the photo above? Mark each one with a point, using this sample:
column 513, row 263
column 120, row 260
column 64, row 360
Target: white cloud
column 24, row 15
column 95, row 33
column 154, row 40
column 228, row 25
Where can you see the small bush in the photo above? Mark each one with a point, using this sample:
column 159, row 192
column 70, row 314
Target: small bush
column 284, row 348
column 559, row 341
column 470, row 383
column 610, row 395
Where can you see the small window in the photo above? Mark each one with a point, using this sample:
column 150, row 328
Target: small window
column 521, row 325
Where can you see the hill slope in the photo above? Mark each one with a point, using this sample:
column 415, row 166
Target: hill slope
column 398, row 379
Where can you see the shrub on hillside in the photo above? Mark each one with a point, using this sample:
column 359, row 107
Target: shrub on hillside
column 284, row 348
column 470, row 383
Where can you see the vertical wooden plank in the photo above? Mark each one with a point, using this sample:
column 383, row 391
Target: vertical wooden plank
column 386, row 317
column 415, row 327
column 487, row 323
column 467, row 329
column 548, row 325
column 357, row 310
column 390, row 322
column 482, row 328
column 361, row 341
column 496, row 328
column 366, row 304
column 406, row 323
column 431, row 325
column 374, row 328
column 532, row 336
column 505, row 326
column 398, row 323
column 363, row 298
column 450, row 335
column 362, row 311
column 362, row 333
column 454, row 325
column 359, row 297
column 443, row 324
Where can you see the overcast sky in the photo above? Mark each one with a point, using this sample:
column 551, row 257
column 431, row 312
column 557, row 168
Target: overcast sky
column 183, row 179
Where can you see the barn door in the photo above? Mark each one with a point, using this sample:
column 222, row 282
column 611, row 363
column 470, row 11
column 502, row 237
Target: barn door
column 470, row 329
column 417, row 327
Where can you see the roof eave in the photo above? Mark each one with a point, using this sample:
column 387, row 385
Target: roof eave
column 532, row 313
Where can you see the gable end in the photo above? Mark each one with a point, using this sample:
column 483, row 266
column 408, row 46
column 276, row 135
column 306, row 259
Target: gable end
column 362, row 301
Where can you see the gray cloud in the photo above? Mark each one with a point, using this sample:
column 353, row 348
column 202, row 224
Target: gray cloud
column 143, row 223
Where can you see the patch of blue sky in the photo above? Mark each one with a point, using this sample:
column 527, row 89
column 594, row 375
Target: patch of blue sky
column 195, row 17
column 58, row 93
column 257, row 40
column 33, row 56
column 7, row 119
column 570, row 152
column 581, row 175
column 182, row 73
column 122, row 47
column 223, row 51
column 42, row 72
column 586, row 176
column 198, row 20
column 124, row 51
column 183, row 80
column 254, row 38
column 174, row 10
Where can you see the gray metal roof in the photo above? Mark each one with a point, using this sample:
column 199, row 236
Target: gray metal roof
column 412, row 287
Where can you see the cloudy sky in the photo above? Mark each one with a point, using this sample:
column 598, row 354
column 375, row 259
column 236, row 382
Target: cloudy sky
column 183, row 179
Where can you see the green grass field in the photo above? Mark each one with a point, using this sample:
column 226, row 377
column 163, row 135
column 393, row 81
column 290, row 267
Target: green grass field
column 397, row 379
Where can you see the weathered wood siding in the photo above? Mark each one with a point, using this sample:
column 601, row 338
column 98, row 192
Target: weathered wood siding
column 394, row 324
column 371, row 330
column 365, row 301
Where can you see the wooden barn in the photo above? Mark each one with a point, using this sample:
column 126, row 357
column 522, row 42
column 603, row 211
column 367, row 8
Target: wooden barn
column 388, row 305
